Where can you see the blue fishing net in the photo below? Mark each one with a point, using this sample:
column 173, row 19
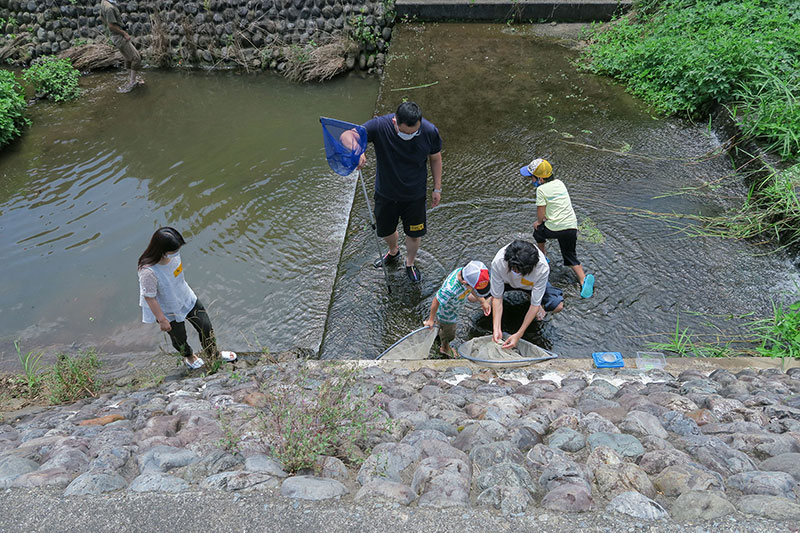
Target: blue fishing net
column 342, row 159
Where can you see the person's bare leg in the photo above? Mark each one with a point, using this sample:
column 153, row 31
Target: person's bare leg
column 578, row 269
column 391, row 240
column 541, row 247
column 412, row 246
column 542, row 313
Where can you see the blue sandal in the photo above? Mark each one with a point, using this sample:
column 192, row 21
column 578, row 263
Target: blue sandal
column 588, row 287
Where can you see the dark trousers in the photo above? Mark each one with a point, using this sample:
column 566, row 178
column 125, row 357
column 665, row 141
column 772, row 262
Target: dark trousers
column 198, row 318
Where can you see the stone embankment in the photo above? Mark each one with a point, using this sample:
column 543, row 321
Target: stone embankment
column 254, row 34
column 649, row 447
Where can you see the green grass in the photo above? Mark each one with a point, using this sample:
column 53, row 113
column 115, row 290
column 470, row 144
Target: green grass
column 780, row 333
column 768, row 214
column 773, row 336
column 770, row 211
column 310, row 418
column 32, row 375
column 686, row 56
column 74, row 377
column 771, row 111
column 679, row 343
column 587, row 231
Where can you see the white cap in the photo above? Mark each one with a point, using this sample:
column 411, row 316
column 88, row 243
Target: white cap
column 477, row 276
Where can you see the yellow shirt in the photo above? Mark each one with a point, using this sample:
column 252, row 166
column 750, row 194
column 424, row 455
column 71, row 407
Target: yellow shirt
column 554, row 197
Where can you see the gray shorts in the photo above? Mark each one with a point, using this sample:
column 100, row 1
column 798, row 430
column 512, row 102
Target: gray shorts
column 133, row 60
column 447, row 332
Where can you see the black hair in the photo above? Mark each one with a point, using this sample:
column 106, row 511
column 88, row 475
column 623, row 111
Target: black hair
column 164, row 240
column 521, row 256
column 408, row 113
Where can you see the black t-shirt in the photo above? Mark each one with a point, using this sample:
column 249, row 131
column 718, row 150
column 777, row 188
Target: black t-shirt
column 402, row 172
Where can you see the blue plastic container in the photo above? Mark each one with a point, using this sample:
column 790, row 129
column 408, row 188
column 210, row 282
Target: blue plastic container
column 608, row 360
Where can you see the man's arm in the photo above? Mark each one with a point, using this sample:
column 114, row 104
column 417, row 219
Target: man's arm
column 530, row 316
column 349, row 139
column 436, row 170
column 113, row 24
column 497, row 316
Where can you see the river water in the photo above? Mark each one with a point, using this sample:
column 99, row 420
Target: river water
column 234, row 162
column 500, row 96
column 279, row 248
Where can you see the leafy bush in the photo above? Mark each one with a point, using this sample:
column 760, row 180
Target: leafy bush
column 53, row 78
column 363, row 33
column 306, row 419
column 12, row 108
column 74, row 377
column 687, row 55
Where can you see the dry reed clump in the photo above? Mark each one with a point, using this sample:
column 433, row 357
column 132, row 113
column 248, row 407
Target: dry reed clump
column 159, row 51
column 93, row 56
column 311, row 62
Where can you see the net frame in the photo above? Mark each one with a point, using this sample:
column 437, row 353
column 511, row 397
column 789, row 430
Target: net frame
column 525, row 354
column 418, row 343
column 342, row 159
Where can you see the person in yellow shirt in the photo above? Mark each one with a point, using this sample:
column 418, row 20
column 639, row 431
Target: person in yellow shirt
column 556, row 219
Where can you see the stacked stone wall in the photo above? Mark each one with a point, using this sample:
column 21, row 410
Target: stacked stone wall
column 219, row 33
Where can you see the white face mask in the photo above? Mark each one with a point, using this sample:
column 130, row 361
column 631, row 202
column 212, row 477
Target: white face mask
column 407, row 136
column 172, row 255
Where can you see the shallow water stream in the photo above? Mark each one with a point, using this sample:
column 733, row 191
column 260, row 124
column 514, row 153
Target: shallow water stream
column 501, row 96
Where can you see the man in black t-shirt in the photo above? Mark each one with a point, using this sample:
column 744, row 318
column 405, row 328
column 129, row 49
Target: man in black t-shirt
column 404, row 144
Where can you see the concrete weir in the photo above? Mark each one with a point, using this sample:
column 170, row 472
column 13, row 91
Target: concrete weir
column 516, row 10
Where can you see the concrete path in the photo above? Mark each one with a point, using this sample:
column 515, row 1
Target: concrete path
column 197, row 512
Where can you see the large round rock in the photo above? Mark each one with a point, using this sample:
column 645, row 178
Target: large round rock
column 637, row 505
column 625, row 445
column 312, row 488
column 701, row 505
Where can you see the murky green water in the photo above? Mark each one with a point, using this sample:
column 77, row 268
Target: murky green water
column 501, row 97
column 234, row 162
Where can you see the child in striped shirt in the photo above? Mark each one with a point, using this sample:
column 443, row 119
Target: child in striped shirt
column 468, row 283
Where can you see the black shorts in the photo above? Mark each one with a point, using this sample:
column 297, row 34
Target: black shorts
column 412, row 212
column 567, row 238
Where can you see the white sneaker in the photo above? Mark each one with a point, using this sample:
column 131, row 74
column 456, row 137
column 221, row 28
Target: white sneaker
column 194, row 365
